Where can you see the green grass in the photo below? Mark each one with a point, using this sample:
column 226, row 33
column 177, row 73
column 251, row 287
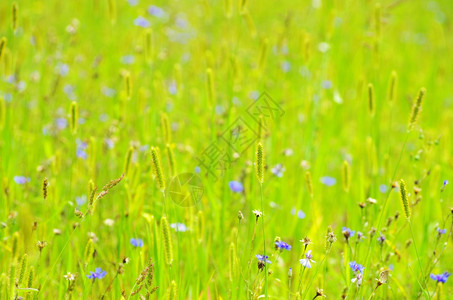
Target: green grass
column 195, row 76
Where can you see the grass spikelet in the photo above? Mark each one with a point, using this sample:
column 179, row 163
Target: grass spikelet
column 200, row 226
column 128, row 85
column 88, row 253
column 346, row 176
column 416, row 108
column 74, row 111
column 23, row 269
column 172, row 291
column 157, row 168
column 210, row 86
column 371, row 104
column 15, row 245
column 392, row 89
column 165, row 128
column 309, row 183
column 166, row 235
column 2, row 47
column 45, row 184
column 263, row 53
column 2, row 112
column 404, row 199
column 31, row 274
column 148, row 45
column 12, row 281
column 171, row 159
column 127, row 162
column 232, row 262
column 15, row 13
column 259, row 164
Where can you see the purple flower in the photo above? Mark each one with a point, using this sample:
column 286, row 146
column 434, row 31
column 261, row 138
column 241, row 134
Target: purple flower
column 128, row 59
column 441, row 277
column 306, row 262
column 261, row 258
column 132, row 2
column 441, row 231
column 445, row 182
column 136, row 242
column 80, row 200
column 347, row 232
column 327, row 180
column 383, row 188
column 21, row 179
column 300, row 213
column 61, row 123
column 327, row 84
column 197, row 169
column 142, row 22
column 236, row 186
column 179, row 227
column 97, row 274
column 360, row 236
column 156, row 11
column 81, row 147
column 356, row 267
column 62, row 69
column 278, row 170
column 282, row 245
column 381, row 239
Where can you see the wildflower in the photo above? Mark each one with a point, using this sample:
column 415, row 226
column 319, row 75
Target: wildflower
column 236, row 186
column 441, row 231
column 306, row 262
column 80, row 200
column 109, row 222
column 282, row 245
column 257, row 213
column 156, row 11
column 21, row 179
column 358, row 279
column 262, row 260
column 179, row 227
column 142, row 22
column 441, row 277
column 128, row 59
column 356, row 267
column 319, row 293
column 92, row 236
column 328, row 181
column 288, row 152
column 371, row 200
column 197, row 170
column 57, row 231
column 70, row 277
column 81, row 147
column 383, row 188
column 326, row 84
column 136, row 242
column 97, row 274
column 330, row 237
column 278, row 170
column 306, row 242
column 240, row 215
column 348, row 233
column 132, row 2
column 61, row 123
column 290, row 272
column 300, row 213
column 62, row 69
column 381, row 239
column 360, row 236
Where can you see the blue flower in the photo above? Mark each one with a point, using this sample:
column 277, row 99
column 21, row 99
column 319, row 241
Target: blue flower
column 197, row 169
column 356, row 267
column 142, row 22
column 81, row 147
column 97, row 274
column 441, row 277
column 441, row 231
column 327, row 180
column 282, row 245
column 132, row 2
column 61, row 123
column 136, row 242
column 383, row 188
column 347, row 232
column 278, row 170
column 261, row 258
column 156, row 11
column 306, row 262
column 128, row 59
column 21, row 179
column 236, row 186
column 326, row 84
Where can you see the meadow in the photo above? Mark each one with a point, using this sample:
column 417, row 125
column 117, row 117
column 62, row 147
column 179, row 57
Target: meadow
column 226, row 149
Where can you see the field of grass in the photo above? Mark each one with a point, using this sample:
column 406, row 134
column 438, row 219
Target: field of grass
column 226, row 149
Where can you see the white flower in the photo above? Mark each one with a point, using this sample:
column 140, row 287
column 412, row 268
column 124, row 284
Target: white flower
column 257, row 213
column 109, row 222
column 358, row 279
column 306, row 262
column 69, row 276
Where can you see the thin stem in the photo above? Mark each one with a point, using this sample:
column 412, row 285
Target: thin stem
column 418, row 257
column 264, row 244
